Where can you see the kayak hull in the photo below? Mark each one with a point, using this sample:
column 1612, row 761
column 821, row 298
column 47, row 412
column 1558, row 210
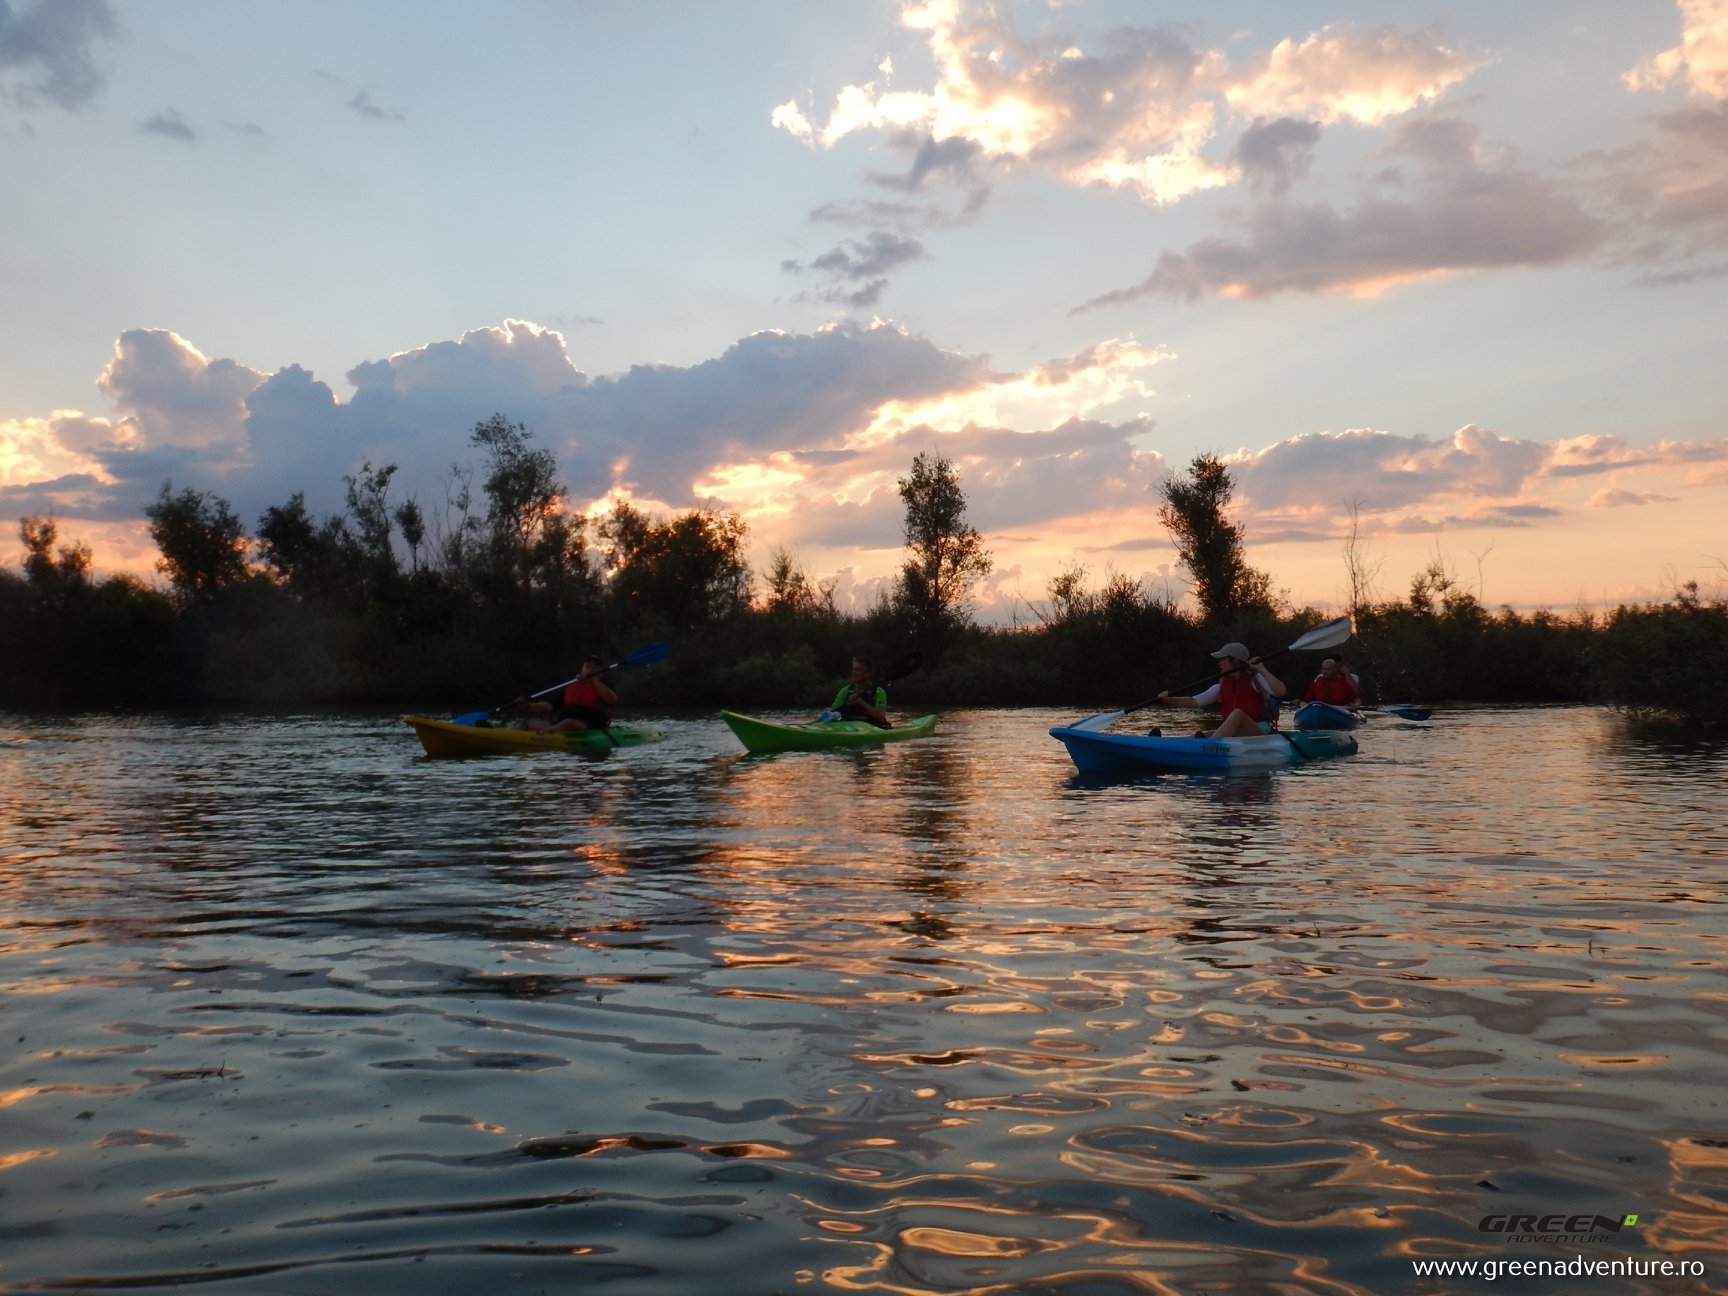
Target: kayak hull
column 446, row 738
column 1117, row 753
column 761, row 736
column 1325, row 715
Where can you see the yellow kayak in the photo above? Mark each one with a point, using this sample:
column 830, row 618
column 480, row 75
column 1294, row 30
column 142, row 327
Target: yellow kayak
column 445, row 738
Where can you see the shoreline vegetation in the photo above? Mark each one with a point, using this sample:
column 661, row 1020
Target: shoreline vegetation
column 502, row 588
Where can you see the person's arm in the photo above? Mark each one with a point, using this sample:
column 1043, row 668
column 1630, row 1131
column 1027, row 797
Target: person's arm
column 1273, row 684
column 532, row 707
column 874, row 705
column 1200, row 699
column 603, row 690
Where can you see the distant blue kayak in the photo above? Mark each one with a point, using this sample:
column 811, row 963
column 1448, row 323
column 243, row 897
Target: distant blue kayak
column 1325, row 715
column 1114, row 753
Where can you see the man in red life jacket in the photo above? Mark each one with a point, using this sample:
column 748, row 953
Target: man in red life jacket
column 1244, row 692
column 1334, row 684
column 586, row 704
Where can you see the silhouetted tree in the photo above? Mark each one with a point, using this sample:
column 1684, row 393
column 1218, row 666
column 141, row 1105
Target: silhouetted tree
column 946, row 555
column 686, row 572
column 203, row 544
column 1209, row 544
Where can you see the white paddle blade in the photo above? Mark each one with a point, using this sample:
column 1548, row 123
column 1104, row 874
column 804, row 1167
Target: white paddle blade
column 1329, row 635
column 1096, row 723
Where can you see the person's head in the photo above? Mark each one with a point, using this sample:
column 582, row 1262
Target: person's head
column 1332, row 666
column 862, row 670
column 592, row 665
column 1233, row 656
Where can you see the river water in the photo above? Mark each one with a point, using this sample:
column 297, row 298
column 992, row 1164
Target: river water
column 290, row 1008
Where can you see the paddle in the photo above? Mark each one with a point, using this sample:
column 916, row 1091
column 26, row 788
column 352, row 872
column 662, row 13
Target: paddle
column 1403, row 710
column 1330, row 635
column 646, row 655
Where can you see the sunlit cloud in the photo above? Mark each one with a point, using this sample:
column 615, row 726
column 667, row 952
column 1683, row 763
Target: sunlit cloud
column 1341, row 73
column 1613, row 497
column 1136, row 111
column 1700, row 59
column 806, row 436
column 1446, row 205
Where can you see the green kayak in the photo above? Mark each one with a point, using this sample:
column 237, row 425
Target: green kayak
column 818, row 735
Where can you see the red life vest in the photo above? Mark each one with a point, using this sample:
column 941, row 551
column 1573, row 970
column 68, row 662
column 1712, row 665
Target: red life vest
column 1239, row 692
column 583, row 693
column 1338, row 690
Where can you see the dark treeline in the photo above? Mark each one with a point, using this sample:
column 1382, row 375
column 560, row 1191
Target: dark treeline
column 502, row 588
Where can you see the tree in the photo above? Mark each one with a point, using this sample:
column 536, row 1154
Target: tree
column 49, row 578
column 203, row 544
column 524, row 498
column 687, row 572
column 1209, row 544
column 946, row 555
column 790, row 591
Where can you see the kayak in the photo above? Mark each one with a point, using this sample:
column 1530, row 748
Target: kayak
column 1326, row 715
column 1114, row 753
column 759, row 735
column 446, row 738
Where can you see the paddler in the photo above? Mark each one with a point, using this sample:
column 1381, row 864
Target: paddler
column 587, row 703
column 861, row 697
column 1246, row 694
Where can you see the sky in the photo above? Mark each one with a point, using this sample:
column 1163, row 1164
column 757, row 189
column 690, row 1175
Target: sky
column 1450, row 278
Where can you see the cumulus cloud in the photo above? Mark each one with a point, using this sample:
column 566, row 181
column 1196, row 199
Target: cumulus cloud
column 805, row 434
column 1700, row 60
column 47, row 51
column 1136, row 111
column 1445, row 205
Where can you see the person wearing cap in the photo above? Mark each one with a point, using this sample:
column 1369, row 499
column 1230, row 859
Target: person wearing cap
column 1246, row 693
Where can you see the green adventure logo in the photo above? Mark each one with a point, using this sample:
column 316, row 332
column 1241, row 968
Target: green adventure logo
column 1556, row 1228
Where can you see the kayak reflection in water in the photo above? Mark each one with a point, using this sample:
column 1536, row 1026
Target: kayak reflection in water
column 861, row 698
column 1246, row 693
column 587, row 703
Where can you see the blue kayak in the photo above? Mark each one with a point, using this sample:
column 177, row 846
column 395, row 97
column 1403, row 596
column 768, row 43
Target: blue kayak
column 1326, row 715
column 1094, row 752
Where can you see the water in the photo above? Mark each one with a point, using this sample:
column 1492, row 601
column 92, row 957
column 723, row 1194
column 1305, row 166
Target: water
column 291, row 1009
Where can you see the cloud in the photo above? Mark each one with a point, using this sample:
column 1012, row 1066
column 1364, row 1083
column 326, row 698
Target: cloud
column 1343, row 74
column 805, row 434
column 1468, row 212
column 1701, row 58
column 1668, row 192
column 1271, row 156
column 1136, row 111
column 1609, row 497
column 170, row 123
column 866, row 263
column 46, row 51
column 363, row 104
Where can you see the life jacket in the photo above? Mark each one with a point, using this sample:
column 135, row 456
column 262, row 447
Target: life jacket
column 1241, row 692
column 1338, row 690
column 583, row 693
